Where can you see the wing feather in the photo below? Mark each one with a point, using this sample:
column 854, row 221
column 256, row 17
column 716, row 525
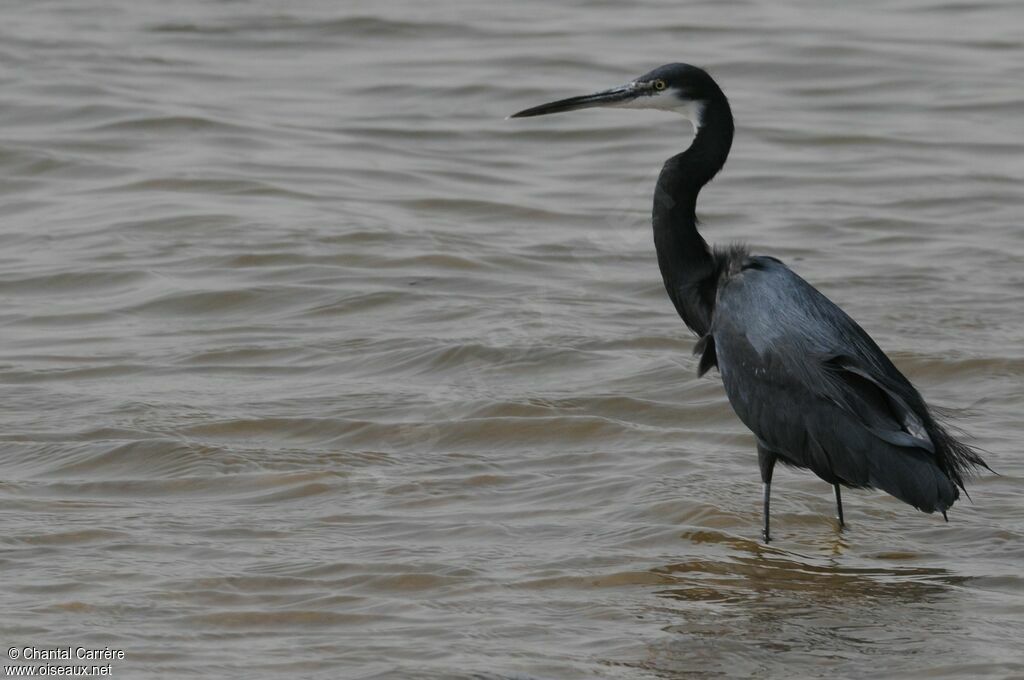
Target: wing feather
column 814, row 387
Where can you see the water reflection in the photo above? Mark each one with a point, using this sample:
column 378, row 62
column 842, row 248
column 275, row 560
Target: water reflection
column 763, row 610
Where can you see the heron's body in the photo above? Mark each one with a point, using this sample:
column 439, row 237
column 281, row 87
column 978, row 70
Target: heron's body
column 832, row 401
column 810, row 383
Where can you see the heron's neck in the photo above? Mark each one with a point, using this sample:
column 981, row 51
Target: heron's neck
column 687, row 264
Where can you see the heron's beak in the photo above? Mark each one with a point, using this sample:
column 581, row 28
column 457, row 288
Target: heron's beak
column 617, row 96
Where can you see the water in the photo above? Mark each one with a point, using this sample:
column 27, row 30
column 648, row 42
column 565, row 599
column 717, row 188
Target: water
column 313, row 365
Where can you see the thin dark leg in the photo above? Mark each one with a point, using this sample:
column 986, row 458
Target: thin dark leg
column 839, row 507
column 766, row 459
column 944, row 516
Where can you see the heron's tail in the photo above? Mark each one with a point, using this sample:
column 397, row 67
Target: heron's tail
column 957, row 459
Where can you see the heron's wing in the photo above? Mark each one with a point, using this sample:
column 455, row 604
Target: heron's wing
column 814, row 387
column 872, row 397
column 800, row 336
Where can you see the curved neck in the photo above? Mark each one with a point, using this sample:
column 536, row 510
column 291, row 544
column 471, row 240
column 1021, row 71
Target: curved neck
column 687, row 265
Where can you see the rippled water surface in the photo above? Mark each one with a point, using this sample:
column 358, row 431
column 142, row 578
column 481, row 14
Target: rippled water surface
column 313, row 365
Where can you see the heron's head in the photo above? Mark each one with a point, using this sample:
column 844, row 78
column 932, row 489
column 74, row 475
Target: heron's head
column 680, row 88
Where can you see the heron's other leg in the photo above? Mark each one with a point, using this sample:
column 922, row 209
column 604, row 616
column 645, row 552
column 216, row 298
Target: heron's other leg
column 839, row 506
column 766, row 459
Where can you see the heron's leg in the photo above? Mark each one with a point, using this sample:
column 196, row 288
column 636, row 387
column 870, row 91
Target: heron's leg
column 767, row 502
column 839, row 506
column 766, row 459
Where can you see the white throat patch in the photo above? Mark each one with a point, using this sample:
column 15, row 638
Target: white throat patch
column 669, row 100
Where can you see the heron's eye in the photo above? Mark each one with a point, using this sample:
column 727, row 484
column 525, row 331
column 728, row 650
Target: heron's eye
column 659, row 85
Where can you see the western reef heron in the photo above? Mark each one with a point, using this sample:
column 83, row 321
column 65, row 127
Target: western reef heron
column 810, row 383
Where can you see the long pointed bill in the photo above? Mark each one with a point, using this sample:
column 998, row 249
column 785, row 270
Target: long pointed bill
column 614, row 97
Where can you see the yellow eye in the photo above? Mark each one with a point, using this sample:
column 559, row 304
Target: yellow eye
column 659, row 85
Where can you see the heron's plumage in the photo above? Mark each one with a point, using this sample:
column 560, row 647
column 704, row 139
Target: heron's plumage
column 810, row 383
column 816, row 390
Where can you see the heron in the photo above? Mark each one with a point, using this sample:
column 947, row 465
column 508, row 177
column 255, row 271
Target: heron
column 814, row 388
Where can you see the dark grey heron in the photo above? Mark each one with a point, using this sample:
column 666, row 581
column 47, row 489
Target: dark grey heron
column 810, row 383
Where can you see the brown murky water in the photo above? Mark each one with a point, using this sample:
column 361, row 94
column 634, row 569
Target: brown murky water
column 314, row 366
